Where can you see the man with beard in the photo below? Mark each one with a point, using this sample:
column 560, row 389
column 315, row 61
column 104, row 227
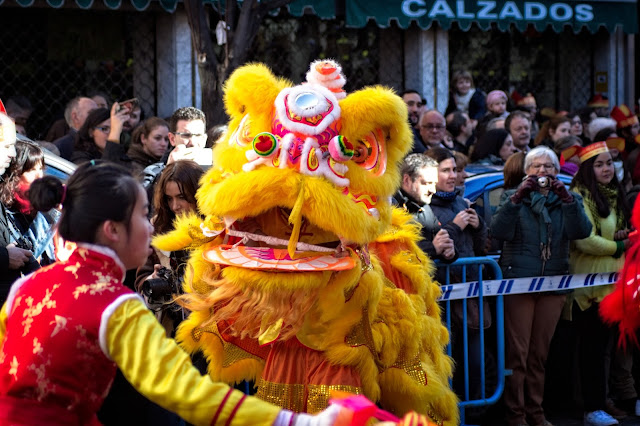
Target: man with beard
column 414, row 104
column 419, row 178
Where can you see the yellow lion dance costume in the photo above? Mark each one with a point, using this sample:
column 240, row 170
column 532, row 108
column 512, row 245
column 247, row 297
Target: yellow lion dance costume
column 303, row 277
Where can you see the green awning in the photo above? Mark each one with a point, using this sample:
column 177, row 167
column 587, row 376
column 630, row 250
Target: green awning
column 542, row 13
column 323, row 8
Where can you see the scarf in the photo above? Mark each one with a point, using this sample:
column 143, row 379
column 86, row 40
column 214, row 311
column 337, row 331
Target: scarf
column 462, row 101
column 539, row 207
column 447, row 196
column 21, row 199
column 610, row 192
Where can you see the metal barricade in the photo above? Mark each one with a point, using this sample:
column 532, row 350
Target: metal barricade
column 475, row 289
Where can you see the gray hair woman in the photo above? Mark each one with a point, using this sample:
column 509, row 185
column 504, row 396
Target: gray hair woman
column 536, row 221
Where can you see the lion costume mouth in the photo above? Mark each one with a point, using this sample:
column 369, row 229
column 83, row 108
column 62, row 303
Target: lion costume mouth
column 247, row 245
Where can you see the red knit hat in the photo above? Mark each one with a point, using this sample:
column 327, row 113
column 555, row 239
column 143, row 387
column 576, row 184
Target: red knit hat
column 624, row 116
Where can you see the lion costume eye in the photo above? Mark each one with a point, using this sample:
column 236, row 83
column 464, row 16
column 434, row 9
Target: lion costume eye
column 370, row 153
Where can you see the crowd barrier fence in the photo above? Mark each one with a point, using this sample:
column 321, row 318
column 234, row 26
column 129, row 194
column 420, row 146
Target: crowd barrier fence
column 496, row 287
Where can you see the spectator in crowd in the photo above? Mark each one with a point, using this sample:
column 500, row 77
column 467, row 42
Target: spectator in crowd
column 514, row 171
column 615, row 145
column 461, row 129
column 598, row 124
column 75, row 114
column 432, row 129
column 419, row 178
column 101, row 99
column 31, row 229
column 554, row 129
column 519, row 126
column 600, row 105
column 12, row 258
column 469, row 234
column 528, row 104
column 464, row 97
column 214, row 133
column 132, row 121
column 603, row 251
column 175, row 195
column 414, row 106
column 105, row 213
column 451, row 209
column 536, row 221
column 567, row 151
column 497, row 104
column 494, row 148
column 19, row 108
column 149, row 143
column 187, row 138
column 627, row 126
column 99, row 137
column 576, row 129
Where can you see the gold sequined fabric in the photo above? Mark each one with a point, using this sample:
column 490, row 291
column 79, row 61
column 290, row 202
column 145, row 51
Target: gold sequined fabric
column 232, row 353
column 289, row 397
column 294, row 397
column 413, row 368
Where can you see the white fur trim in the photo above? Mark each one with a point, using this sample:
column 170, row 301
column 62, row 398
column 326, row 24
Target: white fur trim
column 12, row 292
column 281, row 109
column 106, row 315
column 107, row 252
column 285, row 144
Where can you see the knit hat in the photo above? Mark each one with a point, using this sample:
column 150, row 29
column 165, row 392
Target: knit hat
column 598, row 101
column 495, row 95
column 624, row 116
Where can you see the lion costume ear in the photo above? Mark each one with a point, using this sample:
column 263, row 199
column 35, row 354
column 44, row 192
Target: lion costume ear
column 378, row 108
column 252, row 89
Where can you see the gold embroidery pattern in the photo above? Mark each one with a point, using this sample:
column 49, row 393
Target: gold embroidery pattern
column 37, row 347
column 413, row 368
column 318, row 398
column 44, row 386
column 73, row 269
column 93, row 289
column 290, row 397
column 61, row 324
column 34, row 310
column 13, row 371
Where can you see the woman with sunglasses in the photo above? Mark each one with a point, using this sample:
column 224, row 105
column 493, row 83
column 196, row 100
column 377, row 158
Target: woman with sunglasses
column 99, row 137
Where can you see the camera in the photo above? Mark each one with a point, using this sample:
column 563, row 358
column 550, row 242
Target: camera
column 162, row 288
column 544, row 182
column 24, row 243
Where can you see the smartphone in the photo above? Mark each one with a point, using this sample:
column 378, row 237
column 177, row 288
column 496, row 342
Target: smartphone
column 130, row 104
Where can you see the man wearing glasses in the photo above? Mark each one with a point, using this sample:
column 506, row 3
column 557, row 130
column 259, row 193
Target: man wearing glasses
column 187, row 137
column 432, row 129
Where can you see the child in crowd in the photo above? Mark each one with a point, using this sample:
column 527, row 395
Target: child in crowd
column 497, row 104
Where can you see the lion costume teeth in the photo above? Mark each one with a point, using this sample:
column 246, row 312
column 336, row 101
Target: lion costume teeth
column 302, row 276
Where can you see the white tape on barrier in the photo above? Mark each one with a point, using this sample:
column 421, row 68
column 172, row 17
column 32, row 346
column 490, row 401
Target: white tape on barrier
column 526, row 285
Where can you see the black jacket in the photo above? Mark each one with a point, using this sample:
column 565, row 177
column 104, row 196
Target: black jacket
column 427, row 219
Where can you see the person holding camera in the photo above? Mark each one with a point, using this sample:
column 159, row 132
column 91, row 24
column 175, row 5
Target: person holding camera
column 160, row 278
column 99, row 137
column 536, row 221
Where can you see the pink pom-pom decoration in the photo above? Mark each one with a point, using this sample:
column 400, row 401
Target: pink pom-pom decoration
column 340, row 149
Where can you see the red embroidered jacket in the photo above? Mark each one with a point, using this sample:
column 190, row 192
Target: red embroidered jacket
column 54, row 353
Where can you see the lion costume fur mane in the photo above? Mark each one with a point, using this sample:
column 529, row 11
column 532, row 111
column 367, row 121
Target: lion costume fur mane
column 310, row 165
